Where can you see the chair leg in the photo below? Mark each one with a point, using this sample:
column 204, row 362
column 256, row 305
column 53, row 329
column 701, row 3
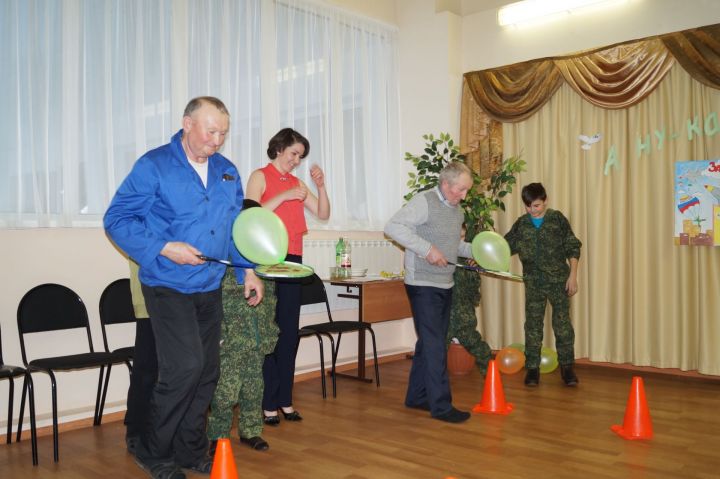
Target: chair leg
column 322, row 365
column 22, row 407
column 28, row 384
column 11, row 395
column 100, row 401
column 334, row 353
column 56, row 448
column 377, row 369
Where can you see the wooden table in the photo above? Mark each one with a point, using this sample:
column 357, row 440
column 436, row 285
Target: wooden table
column 378, row 300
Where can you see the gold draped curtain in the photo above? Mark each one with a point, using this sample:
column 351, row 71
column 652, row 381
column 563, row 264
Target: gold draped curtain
column 642, row 300
column 613, row 77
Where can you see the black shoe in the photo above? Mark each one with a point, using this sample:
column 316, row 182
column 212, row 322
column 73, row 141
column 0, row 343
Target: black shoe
column 568, row 375
column 424, row 406
column 454, row 416
column 204, row 466
column 291, row 416
column 132, row 442
column 271, row 420
column 532, row 377
column 161, row 471
column 256, row 442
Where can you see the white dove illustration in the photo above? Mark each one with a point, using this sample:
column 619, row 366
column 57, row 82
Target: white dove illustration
column 589, row 140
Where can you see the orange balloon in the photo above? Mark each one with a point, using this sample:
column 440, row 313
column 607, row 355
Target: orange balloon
column 510, row 360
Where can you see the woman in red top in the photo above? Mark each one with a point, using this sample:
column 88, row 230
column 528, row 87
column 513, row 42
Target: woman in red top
column 276, row 189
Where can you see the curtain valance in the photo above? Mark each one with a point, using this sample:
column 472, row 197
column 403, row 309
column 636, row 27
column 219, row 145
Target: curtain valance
column 613, row 77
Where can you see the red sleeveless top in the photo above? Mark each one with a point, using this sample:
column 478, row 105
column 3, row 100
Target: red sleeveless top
column 292, row 213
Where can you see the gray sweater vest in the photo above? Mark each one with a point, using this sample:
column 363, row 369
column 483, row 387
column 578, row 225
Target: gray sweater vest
column 442, row 229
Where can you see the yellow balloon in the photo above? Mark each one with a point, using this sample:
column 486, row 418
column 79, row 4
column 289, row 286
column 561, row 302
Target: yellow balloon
column 548, row 360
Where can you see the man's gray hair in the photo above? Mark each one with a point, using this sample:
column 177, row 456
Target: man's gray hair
column 196, row 103
column 452, row 171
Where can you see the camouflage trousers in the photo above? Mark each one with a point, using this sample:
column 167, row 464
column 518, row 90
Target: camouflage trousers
column 463, row 326
column 241, row 384
column 536, row 298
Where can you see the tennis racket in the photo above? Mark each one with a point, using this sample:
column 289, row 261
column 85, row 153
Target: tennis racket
column 491, row 273
column 286, row 269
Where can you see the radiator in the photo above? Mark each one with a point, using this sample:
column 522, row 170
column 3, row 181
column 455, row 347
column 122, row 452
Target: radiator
column 375, row 255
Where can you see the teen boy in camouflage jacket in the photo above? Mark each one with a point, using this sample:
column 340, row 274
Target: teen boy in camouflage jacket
column 549, row 252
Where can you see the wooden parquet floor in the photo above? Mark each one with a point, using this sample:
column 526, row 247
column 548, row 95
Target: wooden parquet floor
column 367, row 433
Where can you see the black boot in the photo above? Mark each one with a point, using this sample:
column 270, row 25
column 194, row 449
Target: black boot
column 568, row 375
column 532, row 377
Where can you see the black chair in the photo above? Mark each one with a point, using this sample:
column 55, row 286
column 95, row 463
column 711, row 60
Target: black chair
column 116, row 307
column 53, row 307
column 10, row 372
column 313, row 292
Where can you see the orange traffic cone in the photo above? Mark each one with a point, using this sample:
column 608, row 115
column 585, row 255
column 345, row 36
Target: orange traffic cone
column 223, row 462
column 493, row 400
column 637, row 424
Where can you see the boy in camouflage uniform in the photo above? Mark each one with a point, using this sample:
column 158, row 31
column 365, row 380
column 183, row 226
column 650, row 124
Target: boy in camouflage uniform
column 549, row 252
column 248, row 334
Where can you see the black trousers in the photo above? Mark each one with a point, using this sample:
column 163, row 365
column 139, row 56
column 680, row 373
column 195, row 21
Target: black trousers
column 279, row 366
column 142, row 380
column 187, row 340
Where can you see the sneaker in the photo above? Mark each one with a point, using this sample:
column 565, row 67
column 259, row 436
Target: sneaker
column 532, row 377
column 168, row 470
column 568, row 375
column 454, row 416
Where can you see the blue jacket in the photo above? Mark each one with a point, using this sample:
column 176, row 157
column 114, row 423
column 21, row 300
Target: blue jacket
column 163, row 199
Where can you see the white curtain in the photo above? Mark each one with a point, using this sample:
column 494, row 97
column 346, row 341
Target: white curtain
column 90, row 85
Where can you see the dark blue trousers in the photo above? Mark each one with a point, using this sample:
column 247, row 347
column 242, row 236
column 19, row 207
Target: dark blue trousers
column 279, row 366
column 187, row 341
column 428, row 383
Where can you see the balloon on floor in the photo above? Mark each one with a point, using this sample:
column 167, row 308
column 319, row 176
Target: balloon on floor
column 510, row 360
column 548, row 360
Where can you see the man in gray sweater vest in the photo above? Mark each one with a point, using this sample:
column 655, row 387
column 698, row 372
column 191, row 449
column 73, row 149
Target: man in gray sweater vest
column 428, row 227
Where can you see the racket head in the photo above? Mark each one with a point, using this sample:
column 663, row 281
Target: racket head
column 284, row 270
column 503, row 275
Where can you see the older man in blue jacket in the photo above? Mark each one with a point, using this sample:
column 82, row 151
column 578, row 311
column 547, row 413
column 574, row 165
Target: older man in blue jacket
column 179, row 202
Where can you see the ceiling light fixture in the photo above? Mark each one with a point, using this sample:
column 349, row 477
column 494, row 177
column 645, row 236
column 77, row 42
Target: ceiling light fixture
column 533, row 10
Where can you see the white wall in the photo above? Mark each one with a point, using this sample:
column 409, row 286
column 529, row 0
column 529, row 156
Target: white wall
column 486, row 45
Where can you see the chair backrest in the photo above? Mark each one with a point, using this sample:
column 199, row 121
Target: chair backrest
column 116, row 306
column 51, row 307
column 313, row 292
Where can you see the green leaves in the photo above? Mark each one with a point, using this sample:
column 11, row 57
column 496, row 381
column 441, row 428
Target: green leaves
column 478, row 205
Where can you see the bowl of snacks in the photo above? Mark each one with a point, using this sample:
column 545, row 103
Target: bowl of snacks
column 358, row 272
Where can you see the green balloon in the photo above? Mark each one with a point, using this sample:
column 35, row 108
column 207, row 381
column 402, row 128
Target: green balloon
column 548, row 360
column 260, row 236
column 518, row 346
column 491, row 251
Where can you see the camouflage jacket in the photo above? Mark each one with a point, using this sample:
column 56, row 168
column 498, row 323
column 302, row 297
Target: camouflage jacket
column 254, row 327
column 545, row 251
